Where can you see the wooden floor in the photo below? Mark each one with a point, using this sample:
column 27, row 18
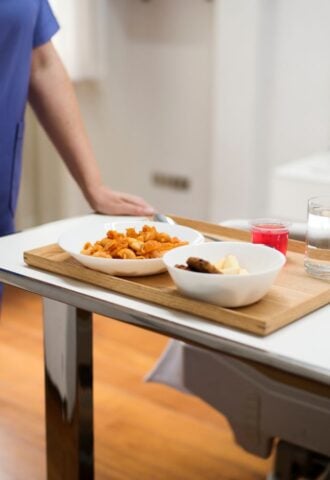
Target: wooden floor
column 143, row 431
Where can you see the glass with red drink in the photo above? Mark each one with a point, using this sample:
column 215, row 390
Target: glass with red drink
column 271, row 232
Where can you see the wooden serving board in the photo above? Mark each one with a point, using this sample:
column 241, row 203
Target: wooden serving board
column 293, row 295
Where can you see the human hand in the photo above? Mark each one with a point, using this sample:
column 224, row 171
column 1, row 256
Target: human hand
column 104, row 200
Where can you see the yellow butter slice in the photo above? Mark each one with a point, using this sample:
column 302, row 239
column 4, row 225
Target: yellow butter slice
column 229, row 265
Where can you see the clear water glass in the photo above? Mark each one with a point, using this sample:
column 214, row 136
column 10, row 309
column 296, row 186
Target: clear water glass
column 317, row 253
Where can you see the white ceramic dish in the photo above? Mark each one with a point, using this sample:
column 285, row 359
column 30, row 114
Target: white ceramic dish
column 263, row 264
column 73, row 241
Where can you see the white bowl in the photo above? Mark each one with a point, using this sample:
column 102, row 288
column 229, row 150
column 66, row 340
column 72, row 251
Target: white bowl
column 263, row 264
column 73, row 241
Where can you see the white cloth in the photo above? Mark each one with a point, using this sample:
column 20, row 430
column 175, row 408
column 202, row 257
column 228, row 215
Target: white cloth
column 169, row 369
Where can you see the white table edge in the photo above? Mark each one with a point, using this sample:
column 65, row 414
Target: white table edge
column 162, row 326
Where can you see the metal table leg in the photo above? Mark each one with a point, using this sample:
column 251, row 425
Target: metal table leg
column 295, row 463
column 69, row 392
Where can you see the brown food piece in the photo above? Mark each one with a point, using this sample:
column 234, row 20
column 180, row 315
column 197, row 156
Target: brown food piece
column 182, row 267
column 199, row 265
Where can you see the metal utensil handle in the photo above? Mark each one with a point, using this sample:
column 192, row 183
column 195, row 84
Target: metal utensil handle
column 159, row 217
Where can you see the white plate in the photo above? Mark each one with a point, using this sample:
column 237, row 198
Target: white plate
column 73, row 241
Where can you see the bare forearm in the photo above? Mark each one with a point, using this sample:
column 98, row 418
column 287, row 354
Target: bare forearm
column 53, row 99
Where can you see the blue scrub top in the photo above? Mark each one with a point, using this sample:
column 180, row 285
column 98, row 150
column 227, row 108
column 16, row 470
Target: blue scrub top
column 24, row 25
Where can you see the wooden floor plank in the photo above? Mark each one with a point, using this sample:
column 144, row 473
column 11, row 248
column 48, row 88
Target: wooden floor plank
column 143, row 431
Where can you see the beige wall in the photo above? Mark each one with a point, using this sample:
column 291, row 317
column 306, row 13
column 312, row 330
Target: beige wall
column 218, row 92
column 148, row 111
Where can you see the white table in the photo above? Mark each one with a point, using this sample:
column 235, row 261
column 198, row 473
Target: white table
column 302, row 348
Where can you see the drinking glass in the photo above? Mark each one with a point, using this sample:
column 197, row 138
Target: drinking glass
column 271, row 232
column 317, row 252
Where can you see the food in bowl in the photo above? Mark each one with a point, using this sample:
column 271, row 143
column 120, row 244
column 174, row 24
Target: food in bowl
column 262, row 263
column 227, row 265
column 133, row 244
column 94, row 229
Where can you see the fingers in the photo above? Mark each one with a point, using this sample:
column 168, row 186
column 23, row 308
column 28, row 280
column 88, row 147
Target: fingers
column 139, row 211
column 134, row 200
column 109, row 202
column 126, row 208
column 136, row 204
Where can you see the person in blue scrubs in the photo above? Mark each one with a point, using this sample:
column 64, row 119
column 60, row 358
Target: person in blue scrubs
column 30, row 70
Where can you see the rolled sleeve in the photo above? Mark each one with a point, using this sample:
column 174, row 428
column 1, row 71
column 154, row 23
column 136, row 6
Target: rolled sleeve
column 46, row 24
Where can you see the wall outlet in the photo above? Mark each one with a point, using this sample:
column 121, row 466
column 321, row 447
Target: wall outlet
column 173, row 182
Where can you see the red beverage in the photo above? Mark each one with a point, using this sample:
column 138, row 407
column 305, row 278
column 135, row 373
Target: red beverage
column 274, row 234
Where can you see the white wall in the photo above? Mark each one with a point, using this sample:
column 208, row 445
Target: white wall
column 272, row 102
column 149, row 110
column 300, row 97
column 157, row 94
column 218, row 91
column 300, row 107
column 236, row 98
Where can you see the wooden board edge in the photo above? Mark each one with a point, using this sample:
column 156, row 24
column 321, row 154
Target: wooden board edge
column 229, row 232
column 293, row 314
